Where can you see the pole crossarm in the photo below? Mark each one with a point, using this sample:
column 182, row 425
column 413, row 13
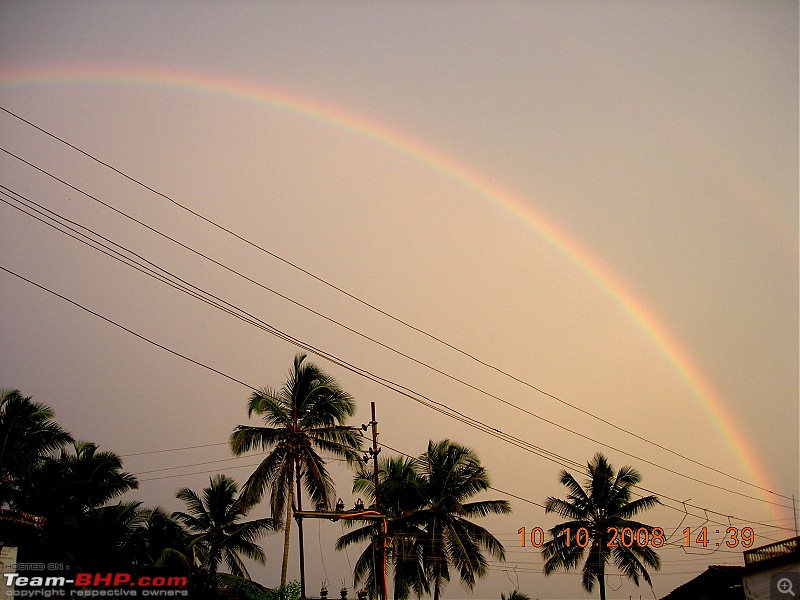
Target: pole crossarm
column 366, row 515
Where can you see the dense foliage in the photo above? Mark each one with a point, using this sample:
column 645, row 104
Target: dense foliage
column 60, row 502
column 430, row 520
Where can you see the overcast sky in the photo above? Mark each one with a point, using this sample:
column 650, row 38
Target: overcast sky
column 599, row 198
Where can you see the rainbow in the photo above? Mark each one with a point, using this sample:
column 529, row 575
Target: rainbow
column 468, row 177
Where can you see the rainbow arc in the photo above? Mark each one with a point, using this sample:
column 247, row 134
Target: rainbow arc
column 468, row 177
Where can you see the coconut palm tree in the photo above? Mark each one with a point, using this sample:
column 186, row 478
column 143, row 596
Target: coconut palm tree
column 67, row 487
column 452, row 475
column 28, row 433
column 93, row 476
column 600, row 508
column 305, row 416
column 217, row 531
column 80, row 478
column 106, row 538
column 164, row 541
column 400, row 497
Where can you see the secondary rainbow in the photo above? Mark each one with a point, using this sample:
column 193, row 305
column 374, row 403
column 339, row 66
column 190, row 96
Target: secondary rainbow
column 432, row 158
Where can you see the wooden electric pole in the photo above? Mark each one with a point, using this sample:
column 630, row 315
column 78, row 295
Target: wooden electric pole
column 358, row 513
column 379, row 568
column 374, row 452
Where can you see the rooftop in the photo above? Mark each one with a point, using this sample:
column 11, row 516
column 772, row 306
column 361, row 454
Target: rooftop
column 772, row 552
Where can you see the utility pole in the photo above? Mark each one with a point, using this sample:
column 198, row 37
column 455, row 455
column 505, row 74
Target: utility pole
column 380, row 560
column 355, row 514
column 794, row 514
column 374, row 452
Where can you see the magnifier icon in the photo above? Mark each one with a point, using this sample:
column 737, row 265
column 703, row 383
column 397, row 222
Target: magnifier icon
column 784, row 586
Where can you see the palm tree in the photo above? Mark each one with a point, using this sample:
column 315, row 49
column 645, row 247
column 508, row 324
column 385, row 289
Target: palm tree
column 94, row 476
column 67, row 487
column 453, row 474
column 216, row 529
column 72, row 483
column 164, row 541
column 306, row 415
column 601, row 508
column 28, row 433
column 400, row 498
column 106, row 538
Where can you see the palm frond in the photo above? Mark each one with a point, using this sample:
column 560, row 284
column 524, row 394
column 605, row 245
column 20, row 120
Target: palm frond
column 246, row 438
column 637, row 506
column 466, row 556
column 271, row 406
column 559, row 556
column 265, row 476
column 356, row 536
column 565, row 509
column 486, row 507
column 317, row 483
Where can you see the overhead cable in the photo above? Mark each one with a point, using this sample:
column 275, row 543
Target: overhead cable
column 390, row 316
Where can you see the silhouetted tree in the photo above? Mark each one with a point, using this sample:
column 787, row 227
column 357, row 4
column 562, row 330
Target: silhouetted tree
column 401, row 490
column 217, row 531
column 28, row 433
column 305, row 416
column 604, row 503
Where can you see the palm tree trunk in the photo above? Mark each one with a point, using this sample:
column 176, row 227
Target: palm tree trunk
column 601, row 575
column 437, row 565
column 300, row 536
column 213, row 566
column 286, row 531
column 602, row 568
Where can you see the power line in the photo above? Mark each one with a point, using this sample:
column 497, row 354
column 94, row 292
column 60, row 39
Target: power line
column 528, row 500
column 163, row 276
column 386, row 314
column 253, row 320
column 194, row 291
column 199, row 464
column 247, row 317
column 763, row 524
column 173, row 449
column 160, row 277
column 195, row 473
column 335, row 360
column 133, row 333
column 507, row 493
column 490, row 431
